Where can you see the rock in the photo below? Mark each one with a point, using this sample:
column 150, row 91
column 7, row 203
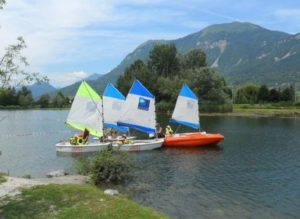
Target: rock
column 56, row 173
column 111, row 192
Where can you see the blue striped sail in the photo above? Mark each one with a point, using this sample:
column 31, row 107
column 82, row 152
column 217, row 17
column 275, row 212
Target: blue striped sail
column 139, row 109
column 113, row 102
column 186, row 110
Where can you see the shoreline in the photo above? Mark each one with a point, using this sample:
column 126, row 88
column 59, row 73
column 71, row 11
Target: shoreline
column 70, row 196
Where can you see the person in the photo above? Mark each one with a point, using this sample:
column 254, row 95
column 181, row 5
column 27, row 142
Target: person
column 169, row 130
column 158, row 131
column 124, row 139
column 80, row 138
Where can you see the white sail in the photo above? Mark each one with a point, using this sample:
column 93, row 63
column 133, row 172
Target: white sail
column 86, row 111
column 113, row 102
column 186, row 110
column 139, row 109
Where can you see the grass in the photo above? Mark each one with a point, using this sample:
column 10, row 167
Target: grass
column 267, row 109
column 2, row 178
column 71, row 201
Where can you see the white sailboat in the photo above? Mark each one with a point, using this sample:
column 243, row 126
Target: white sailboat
column 139, row 113
column 186, row 113
column 113, row 102
column 85, row 115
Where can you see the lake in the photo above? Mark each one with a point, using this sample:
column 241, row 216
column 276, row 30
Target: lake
column 253, row 173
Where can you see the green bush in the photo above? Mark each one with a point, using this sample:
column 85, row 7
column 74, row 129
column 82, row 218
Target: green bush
column 110, row 167
column 83, row 165
column 164, row 106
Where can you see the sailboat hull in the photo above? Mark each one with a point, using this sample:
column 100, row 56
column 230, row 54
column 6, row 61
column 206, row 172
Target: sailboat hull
column 66, row 147
column 197, row 139
column 139, row 145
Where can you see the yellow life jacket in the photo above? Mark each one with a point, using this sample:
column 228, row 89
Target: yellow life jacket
column 80, row 140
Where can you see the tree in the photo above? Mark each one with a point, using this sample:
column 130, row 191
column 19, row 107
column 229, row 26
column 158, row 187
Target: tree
column 11, row 65
column 207, row 84
column 194, row 59
column 12, row 62
column 274, row 95
column 263, row 93
column 8, row 97
column 44, row 100
column 24, row 97
column 247, row 93
column 165, row 84
column 287, row 94
column 163, row 60
column 2, row 2
column 137, row 70
column 59, row 100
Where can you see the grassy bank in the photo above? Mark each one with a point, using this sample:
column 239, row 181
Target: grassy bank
column 275, row 110
column 71, row 201
column 267, row 109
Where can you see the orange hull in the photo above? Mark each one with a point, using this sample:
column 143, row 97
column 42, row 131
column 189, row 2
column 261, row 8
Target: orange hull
column 192, row 140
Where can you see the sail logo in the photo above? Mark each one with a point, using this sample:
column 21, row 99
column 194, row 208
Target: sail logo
column 190, row 104
column 143, row 104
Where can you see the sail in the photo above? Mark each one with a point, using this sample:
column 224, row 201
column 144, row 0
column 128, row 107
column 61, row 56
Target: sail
column 186, row 110
column 113, row 101
column 86, row 111
column 139, row 109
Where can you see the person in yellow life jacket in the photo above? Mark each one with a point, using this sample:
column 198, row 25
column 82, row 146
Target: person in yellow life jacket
column 169, row 130
column 124, row 139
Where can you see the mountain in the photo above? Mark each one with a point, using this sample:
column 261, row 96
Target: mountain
column 93, row 77
column 38, row 90
column 241, row 52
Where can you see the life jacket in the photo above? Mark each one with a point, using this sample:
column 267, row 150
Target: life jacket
column 80, row 140
column 77, row 140
column 73, row 140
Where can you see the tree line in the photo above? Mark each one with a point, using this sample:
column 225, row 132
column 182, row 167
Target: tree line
column 252, row 94
column 166, row 70
column 22, row 98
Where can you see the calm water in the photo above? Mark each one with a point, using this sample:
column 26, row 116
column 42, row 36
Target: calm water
column 254, row 173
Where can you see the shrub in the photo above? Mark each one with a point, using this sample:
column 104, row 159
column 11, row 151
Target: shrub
column 108, row 166
column 83, row 165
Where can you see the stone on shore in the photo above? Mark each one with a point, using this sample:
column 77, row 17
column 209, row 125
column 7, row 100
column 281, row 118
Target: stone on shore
column 56, row 173
column 111, row 192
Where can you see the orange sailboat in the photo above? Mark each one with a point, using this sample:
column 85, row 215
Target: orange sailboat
column 186, row 113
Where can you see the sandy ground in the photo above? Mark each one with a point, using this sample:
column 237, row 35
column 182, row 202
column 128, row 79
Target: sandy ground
column 13, row 184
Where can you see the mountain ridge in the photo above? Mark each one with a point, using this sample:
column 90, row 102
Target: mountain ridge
column 240, row 51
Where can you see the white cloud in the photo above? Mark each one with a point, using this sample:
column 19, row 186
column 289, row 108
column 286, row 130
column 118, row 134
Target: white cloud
column 57, row 31
column 63, row 79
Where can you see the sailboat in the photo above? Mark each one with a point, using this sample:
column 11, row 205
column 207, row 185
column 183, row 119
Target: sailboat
column 186, row 113
column 113, row 102
column 139, row 113
column 85, row 115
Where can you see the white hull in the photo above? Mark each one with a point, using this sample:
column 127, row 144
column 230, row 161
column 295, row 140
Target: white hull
column 139, row 145
column 116, row 139
column 66, row 147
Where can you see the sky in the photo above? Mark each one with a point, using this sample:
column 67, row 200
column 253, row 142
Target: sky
column 67, row 40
